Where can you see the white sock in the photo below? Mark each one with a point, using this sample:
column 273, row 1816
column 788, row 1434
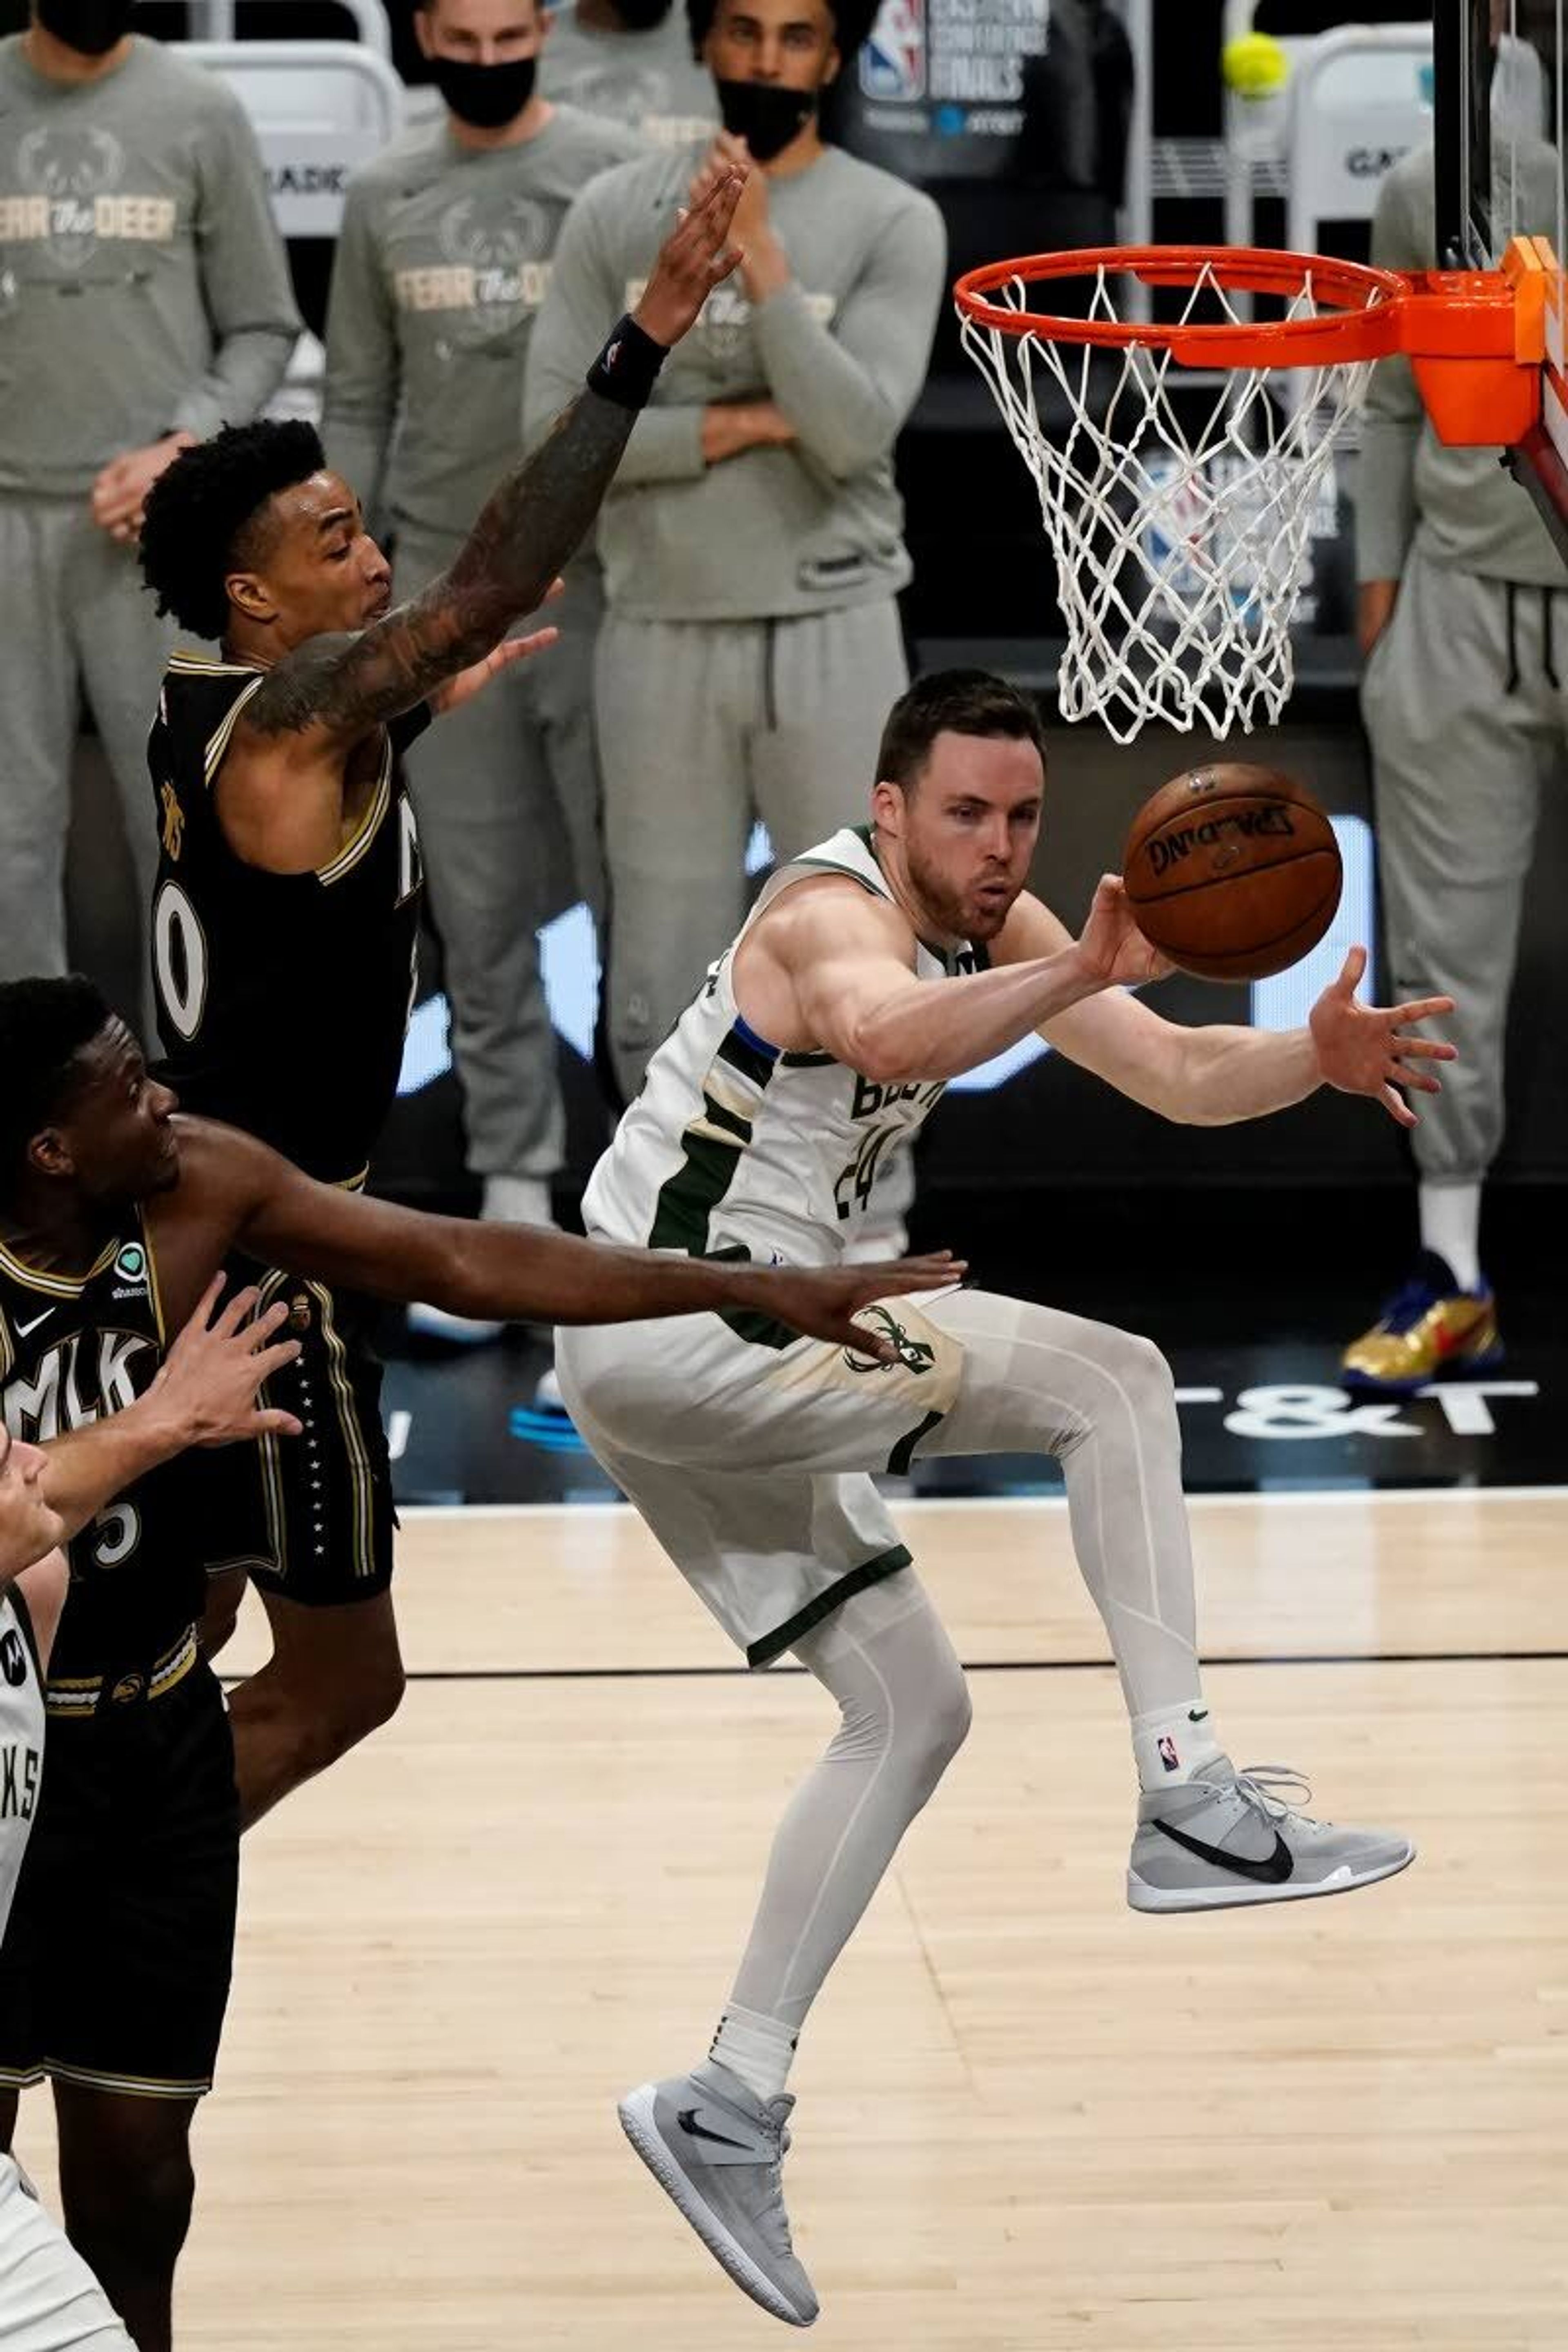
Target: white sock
column 1452, row 1225
column 1172, row 1747
column 517, row 1200
column 758, row 2049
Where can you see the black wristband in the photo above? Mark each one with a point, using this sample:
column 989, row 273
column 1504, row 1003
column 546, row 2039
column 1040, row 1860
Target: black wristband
column 627, row 368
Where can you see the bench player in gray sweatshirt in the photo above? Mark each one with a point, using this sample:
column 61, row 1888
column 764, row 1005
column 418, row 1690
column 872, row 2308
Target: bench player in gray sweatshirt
column 1464, row 625
column 631, row 59
column 443, row 262
column 144, row 300
column 752, row 539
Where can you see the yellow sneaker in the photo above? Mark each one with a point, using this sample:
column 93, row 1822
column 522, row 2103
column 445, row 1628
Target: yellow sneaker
column 1430, row 1329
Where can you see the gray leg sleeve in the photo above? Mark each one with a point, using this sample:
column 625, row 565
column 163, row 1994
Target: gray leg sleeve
column 1102, row 1402
column 887, row 1660
column 1459, row 761
column 497, row 865
column 673, row 699
column 40, row 689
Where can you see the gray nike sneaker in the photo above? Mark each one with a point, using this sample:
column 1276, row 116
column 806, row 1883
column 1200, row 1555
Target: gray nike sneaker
column 1227, row 1837
column 717, row 2151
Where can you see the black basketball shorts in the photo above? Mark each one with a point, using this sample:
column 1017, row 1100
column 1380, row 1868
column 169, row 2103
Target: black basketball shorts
column 115, row 1968
column 309, row 1517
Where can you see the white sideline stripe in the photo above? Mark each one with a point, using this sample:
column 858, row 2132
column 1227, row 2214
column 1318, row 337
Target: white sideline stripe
column 1296, row 1497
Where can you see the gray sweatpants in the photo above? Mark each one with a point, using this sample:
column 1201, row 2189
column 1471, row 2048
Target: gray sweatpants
column 704, row 726
column 1467, row 725
column 507, row 793
column 74, row 623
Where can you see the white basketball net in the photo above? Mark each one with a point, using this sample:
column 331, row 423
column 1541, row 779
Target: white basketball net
column 1180, row 553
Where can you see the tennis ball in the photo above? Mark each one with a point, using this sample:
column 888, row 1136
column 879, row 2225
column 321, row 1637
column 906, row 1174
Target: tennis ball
column 1255, row 65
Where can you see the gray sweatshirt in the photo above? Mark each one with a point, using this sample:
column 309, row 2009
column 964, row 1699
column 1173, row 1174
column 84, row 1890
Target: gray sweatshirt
column 1460, row 507
column 842, row 349
column 648, row 80
column 144, row 286
column 442, row 263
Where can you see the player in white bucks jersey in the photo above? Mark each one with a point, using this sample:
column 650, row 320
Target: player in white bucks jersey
column 872, row 971
column 49, row 2296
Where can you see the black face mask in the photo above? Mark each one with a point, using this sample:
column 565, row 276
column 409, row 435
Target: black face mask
column 642, row 15
column 766, row 117
column 91, row 27
column 487, row 96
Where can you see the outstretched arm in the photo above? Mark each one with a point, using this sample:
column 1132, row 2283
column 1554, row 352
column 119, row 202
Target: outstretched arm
column 1220, row 1074
column 234, row 1190
column 335, row 690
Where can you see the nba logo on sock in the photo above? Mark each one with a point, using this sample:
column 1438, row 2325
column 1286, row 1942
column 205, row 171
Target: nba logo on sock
column 1168, row 1755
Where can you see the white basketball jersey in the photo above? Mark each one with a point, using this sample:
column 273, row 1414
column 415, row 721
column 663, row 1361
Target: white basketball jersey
column 21, row 1747
column 735, row 1146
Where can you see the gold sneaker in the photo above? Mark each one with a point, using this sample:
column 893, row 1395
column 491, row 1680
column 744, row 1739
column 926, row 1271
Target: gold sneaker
column 1429, row 1331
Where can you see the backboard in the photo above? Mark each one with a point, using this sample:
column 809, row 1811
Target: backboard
column 1498, row 127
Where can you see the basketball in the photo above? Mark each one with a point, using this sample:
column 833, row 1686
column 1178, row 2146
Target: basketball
column 1231, row 871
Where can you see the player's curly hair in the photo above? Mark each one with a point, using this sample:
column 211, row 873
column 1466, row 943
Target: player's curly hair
column 956, row 703
column 199, row 519
column 852, row 20
column 43, row 1025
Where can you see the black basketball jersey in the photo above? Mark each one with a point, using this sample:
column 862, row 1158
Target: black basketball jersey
column 73, row 1350
column 282, row 998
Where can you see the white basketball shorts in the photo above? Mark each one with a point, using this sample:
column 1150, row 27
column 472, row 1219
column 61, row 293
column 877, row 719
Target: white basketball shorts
column 747, row 1451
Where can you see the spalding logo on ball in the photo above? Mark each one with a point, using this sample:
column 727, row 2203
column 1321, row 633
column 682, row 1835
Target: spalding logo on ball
column 1231, row 871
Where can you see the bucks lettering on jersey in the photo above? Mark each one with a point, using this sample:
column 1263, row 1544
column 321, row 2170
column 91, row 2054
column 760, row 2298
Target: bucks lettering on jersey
column 21, row 1746
column 282, row 998
column 73, row 1350
column 731, row 1144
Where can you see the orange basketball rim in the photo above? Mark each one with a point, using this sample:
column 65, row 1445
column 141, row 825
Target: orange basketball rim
column 1475, row 338
column 1182, row 516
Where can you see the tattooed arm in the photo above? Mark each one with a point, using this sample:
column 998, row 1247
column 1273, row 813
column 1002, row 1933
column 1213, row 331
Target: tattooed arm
column 329, row 693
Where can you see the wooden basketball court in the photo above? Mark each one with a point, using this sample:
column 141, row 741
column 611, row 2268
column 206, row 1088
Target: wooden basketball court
column 1029, row 2119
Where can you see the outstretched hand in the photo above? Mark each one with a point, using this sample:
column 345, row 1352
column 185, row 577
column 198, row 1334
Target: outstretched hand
column 208, row 1381
column 694, row 258
column 822, row 1301
column 1363, row 1049
column 1110, row 944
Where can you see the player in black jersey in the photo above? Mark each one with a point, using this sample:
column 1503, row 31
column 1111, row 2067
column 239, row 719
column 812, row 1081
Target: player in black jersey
column 114, row 1217
column 205, row 1395
column 284, row 921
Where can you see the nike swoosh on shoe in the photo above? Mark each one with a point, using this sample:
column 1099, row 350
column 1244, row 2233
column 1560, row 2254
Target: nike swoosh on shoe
column 687, row 2120
column 1271, row 1870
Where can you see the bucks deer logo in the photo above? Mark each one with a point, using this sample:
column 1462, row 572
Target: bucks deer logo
column 915, row 1354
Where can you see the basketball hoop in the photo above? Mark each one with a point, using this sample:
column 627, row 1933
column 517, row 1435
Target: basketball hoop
column 1181, row 511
